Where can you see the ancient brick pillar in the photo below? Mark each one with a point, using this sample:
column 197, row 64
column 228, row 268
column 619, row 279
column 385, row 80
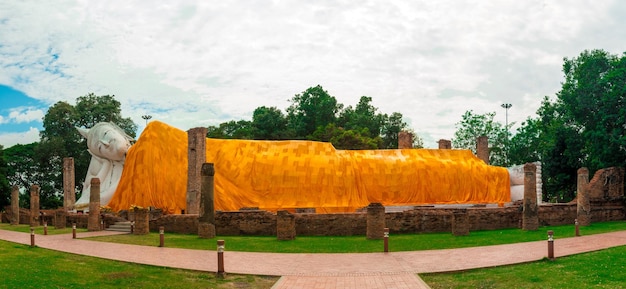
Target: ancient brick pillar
column 142, row 222
column 196, row 148
column 460, row 223
column 60, row 219
column 93, row 222
column 69, row 186
column 375, row 221
column 206, row 220
column 34, row 205
column 405, row 140
column 285, row 226
column 482, row 148
column 444, row 144
column 583, row 206
column 15, row 205
column 530, row 217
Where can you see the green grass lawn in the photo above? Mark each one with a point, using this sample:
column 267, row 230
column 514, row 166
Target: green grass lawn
column 25, row 267
column 39, row 230
column 601, row 269
column 359, row 244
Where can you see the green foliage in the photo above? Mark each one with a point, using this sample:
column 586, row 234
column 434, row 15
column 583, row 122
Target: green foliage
column 311, row 109
column 312, row 115
column 5, row 188
column 473, row 126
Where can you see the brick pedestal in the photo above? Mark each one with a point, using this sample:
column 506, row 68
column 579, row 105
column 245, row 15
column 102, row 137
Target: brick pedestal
column 583, row 205
column 285, row 226
column 206, row 230
column 69, row 187
column 375, row 221
column 34, row 205
column 15, row 205
column 60, row 219
column 460, row 223
column 196, row 156
column 93, row 222
column 142, row 222
column 530, row 217
column 405, row 140
column 482, row 148
column 444, row 144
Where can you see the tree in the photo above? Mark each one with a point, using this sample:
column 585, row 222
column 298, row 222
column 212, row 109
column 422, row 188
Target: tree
column 473, row 126
column 392, row 125
column 269, row 123
column 5, row 188
column 364, row 115
column 311, row 109
column 346, row 139
column 231, row 130
column 593, row 97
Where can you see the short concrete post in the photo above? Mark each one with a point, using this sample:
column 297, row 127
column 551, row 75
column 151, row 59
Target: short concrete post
column 577, row 227
column 69, row 187
column 161, row 236
column 15, row 205
column 93, row 221
column 375, row 221
column 73, row 230
column 583, row 206
column 482, row 148
column 45, row 228
column 285, row 226
column 206, row 220
column 386, row 240
column 220, row 259
column 34, row 205
column 460, row 223
column 32, row 237
column 551, row 245
column 196, row 156
column 530, row 217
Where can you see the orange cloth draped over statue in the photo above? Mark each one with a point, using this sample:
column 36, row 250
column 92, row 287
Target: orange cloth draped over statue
column 274, row 175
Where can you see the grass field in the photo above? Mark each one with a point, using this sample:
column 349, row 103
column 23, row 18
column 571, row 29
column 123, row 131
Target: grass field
column 25, row 267
column 359, row 244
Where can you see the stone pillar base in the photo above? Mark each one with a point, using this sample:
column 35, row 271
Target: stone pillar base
column 460, row 223
column 375, row 221
column 206, row 230
column 285, row 226
column 60, row 219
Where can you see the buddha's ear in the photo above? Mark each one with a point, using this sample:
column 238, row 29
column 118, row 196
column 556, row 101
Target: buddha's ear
column 83, row 131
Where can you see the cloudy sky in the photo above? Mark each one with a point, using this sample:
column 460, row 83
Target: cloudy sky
column 200, row 63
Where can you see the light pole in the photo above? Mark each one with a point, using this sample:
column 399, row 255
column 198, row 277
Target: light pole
column 506, row 107
column 146, row 117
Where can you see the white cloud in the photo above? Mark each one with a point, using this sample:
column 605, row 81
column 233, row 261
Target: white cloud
column 26, row 137
column 24, row 115
column 200, row 63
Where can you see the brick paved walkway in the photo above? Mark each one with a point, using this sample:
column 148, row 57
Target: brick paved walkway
column 366, row 270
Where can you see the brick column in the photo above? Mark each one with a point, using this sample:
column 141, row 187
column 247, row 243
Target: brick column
column 482, row 148
column 375, row 221
column 34, row 205
column 196, row 156
column 583, row 206
column 285, row 226
column 444, row 144
column 15, row 205
column 460, row 223
column 60, row 219
column 530, row 218
column 142, row 222
column 206, row 220
column 405, row 140
column 69, row 186
column 93, row 222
